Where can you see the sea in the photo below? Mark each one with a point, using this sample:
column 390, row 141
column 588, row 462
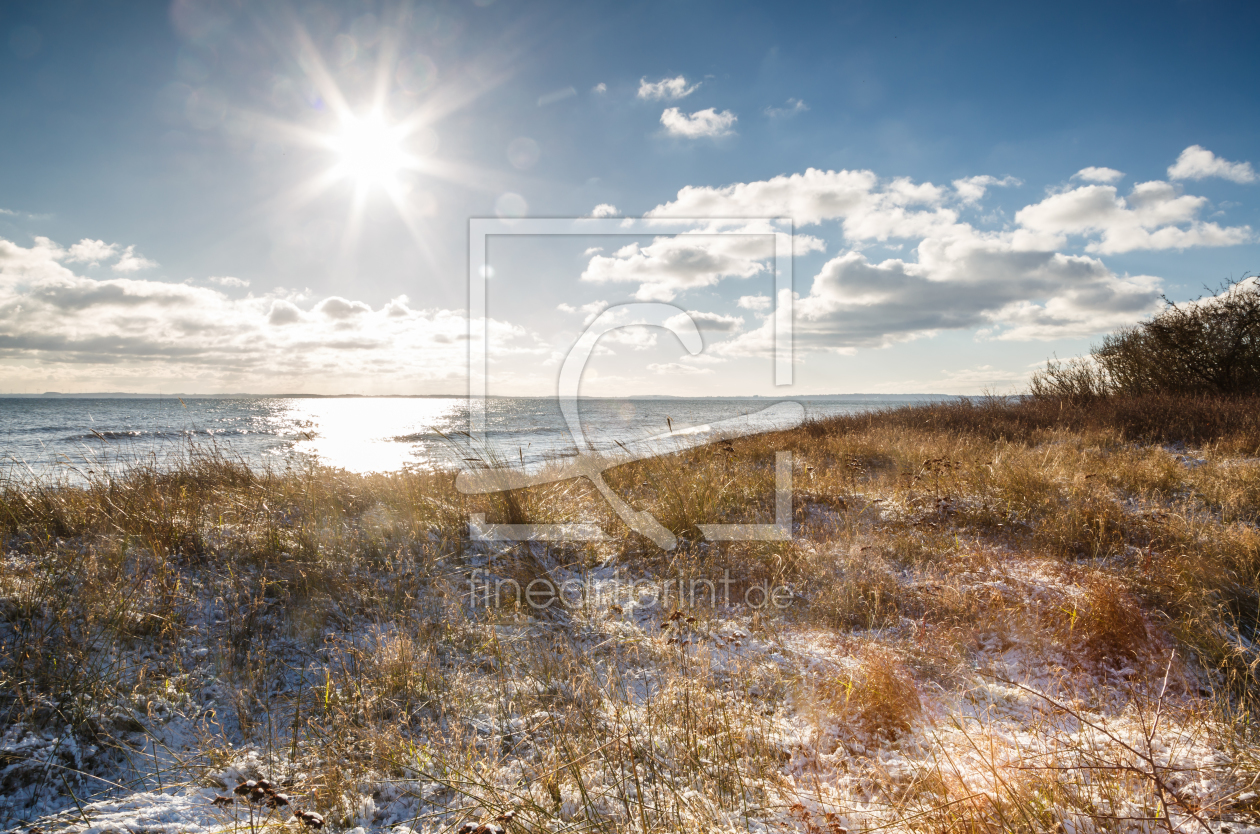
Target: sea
column 61, row 438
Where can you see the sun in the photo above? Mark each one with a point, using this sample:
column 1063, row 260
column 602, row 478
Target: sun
column 369, row 151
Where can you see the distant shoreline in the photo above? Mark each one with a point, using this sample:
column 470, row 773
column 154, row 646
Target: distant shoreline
column 117, row 395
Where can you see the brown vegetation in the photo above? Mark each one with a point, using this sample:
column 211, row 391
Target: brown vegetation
column 952, row 564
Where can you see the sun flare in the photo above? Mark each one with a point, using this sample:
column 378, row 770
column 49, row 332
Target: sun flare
column 369, row 151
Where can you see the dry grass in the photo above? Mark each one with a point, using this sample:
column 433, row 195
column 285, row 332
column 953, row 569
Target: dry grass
column 984, row 600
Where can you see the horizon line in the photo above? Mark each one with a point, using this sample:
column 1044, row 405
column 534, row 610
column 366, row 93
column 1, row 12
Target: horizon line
column 298, row 395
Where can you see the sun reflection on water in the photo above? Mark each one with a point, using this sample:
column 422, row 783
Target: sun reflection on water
column 370, row 434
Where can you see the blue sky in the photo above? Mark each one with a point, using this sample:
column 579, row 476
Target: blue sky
column 223, row 196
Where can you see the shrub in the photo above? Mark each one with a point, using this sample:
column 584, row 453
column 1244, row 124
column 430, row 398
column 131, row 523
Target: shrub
column 1209, row 346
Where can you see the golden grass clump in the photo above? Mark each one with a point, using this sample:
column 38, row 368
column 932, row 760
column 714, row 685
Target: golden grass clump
column 1111, row 622
column 881, row 695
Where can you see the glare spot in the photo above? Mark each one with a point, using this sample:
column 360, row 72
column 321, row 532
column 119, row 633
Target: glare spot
column 416, row 73
column 345, row 50
column 523, row 153
column 511, row 204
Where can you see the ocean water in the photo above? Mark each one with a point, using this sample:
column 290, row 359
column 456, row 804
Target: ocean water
column 79, row 437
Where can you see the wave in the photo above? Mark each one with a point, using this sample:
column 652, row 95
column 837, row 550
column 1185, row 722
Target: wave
column 157, row 434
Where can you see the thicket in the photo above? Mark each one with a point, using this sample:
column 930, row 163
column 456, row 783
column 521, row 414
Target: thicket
column 1206, row 347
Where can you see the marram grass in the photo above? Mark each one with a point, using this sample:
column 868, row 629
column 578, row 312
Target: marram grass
column 997, row 616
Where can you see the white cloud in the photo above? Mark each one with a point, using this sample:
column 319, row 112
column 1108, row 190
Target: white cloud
column 1153, row 216
column 670, row 89
column 1013, row 282
column 399, row 307
column 756, row 303
column 677, row 368
column 25, row 214
column 761, row 342
column 91, row 252
column 600, row 88
column 604, row 210
column 715, row 250
column 632, row 336
column 793, row 106
column 716, row 322
column 97, row 328
column 671, row 265
column 87, row 251
column 339, row 308
column 284, row 312
column 1197, row 162
column 588, row 311
column 556, row 95
column 700, row 124
column 869, row 209
column 971, row 189
column 967, row 283
column 132, row 262
column 1103, row 175
column 229, row 281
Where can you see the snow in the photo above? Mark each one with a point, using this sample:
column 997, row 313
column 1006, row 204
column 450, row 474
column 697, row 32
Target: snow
column 1015, row 710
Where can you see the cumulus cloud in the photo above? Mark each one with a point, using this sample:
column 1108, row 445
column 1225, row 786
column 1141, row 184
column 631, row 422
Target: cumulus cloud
column 670, row 89
column 130, row 261
column 1008, row 283
column 793, row 106
column 972, row 189
column 870, row 209
column 713, row 251
column 670, row 265
column 229, row 281
column 284, row 312
column 1011, row 283
column 339, row 308
column 715, row 322
column 1094, row 174
column 60, row 319
column 1154, row 215
column 92, row 252
column 588, row 311
column 634, row 337
column 600, row 88
column 1197, row 162
column 399, row 307
column 604, row 210
column 702, row 123
column 756, row 303
column 967, row 283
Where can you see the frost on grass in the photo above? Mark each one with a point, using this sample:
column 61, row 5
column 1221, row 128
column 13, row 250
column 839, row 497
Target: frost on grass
column 976, row 635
